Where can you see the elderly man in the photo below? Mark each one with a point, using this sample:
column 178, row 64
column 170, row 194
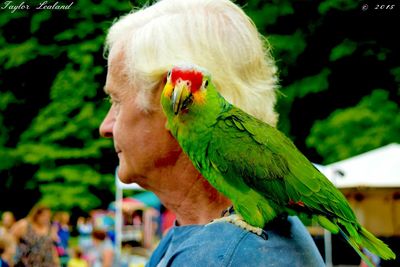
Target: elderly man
column 142, row 46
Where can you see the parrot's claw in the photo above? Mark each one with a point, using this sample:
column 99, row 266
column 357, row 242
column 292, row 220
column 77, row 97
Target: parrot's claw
column 238, row 221
column 228, row 211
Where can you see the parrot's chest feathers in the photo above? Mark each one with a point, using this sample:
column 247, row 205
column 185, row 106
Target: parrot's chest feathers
column 186, row 128
column 194, row 142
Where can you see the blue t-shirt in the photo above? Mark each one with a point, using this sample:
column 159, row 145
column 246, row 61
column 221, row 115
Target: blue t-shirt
column 224, row 244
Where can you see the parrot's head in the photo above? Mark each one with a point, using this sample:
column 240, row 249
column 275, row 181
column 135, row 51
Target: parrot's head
column 186, row 90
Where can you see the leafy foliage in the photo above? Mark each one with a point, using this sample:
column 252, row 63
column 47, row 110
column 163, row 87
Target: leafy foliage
column 366, row 126
column 330, row 54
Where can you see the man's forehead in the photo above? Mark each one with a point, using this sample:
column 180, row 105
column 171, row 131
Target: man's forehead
column 115, row 71
column 116, row 60
column 116, row 54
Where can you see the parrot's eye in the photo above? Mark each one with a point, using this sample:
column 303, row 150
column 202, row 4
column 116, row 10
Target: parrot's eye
column 205, row 84
column 169, row 75
column 188, row 83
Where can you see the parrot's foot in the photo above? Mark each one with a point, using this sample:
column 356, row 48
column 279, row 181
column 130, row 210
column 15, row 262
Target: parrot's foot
column 238, row 220
column 228, row 211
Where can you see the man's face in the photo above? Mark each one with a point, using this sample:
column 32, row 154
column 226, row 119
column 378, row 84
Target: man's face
column 141, row 141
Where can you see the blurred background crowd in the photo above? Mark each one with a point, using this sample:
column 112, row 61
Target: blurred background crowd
column 47, row 238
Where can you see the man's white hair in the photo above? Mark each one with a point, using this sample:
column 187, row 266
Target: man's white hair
column 214, row 34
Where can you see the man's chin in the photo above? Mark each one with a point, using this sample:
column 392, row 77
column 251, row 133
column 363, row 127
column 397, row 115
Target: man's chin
column 128, row 178
column 123, row 177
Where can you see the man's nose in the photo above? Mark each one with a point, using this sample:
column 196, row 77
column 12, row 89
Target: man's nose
column 106, row 127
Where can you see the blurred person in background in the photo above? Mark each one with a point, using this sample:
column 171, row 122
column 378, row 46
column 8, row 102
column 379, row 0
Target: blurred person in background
column 84, row 225
column 7, row 243
column 36, row 239
column 77, row 258
column 101, row 251
column 7, row 249
column 7, row 220
column 61, row 225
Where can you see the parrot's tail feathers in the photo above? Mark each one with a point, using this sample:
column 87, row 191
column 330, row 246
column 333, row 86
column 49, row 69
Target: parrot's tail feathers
column 357, row 248
column 327, row 224
column 375, row 246
column 364, row 239
column 358, row 237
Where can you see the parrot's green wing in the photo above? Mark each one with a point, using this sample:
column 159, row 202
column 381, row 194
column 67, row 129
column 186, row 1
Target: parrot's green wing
column 243, row 147
column 255, row 156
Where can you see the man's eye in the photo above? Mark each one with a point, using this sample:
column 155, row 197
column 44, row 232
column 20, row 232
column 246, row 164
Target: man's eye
column 109, row 99
column 112, row 101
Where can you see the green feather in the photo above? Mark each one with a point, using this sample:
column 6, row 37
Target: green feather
column 327, row 224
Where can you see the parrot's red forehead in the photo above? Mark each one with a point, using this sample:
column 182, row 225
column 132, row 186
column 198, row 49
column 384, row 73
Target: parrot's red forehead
column 193, row 76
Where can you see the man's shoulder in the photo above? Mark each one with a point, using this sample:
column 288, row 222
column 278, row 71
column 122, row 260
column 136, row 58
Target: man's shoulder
column 224, row 244
column 209, row 245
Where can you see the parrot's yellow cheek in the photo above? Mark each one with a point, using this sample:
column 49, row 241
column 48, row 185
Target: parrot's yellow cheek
column 199, row 97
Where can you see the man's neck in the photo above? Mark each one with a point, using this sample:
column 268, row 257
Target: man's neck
column 201, row 204
column 186, row 193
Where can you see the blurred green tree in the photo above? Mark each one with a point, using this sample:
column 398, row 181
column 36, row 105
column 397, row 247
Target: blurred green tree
column 52, row 104
column 347, row 132
column 331, row 54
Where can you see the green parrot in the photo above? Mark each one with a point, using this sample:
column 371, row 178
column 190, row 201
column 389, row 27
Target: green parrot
column 253, row 164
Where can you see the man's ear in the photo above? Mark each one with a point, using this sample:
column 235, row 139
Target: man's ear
column 164, row 79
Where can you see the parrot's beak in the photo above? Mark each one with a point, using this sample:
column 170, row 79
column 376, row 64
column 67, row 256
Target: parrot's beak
column 181, row 97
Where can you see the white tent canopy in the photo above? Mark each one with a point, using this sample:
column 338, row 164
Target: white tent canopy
column 377, row 168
